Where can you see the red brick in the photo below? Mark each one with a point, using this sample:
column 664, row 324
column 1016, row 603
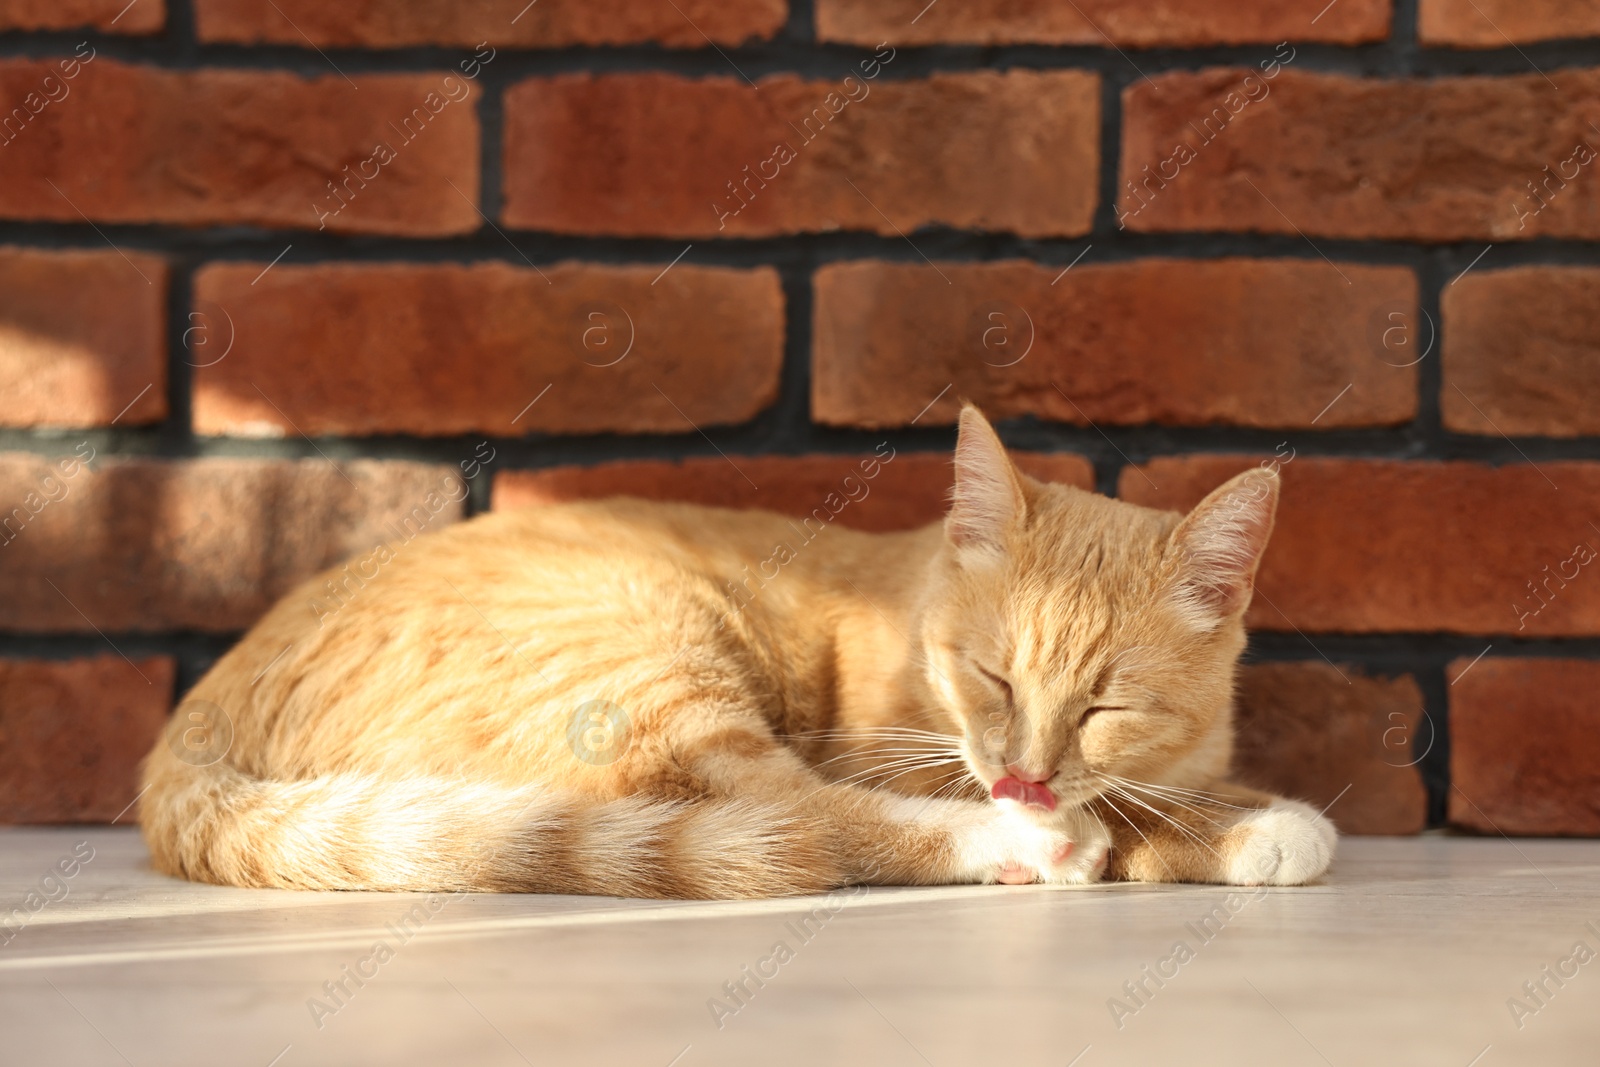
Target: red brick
column 107, row 16
column 446, row 349
column 654, row 154
column 1130, row 23
column 1525, row 746
column 1367, row 546
column 81, row 338
column 137, row 144
column 1181, row 342
column 209, row 544
column 546, row 24
column 1338, row 739
column 910, row 490
column 72, row 734
column 1522, row 352
column 1499, row 23
column 1439, row 159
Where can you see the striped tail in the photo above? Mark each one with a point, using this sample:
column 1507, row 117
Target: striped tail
column 351, row 831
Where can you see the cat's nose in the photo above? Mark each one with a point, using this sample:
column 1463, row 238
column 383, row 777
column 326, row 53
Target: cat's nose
column 1022, row 774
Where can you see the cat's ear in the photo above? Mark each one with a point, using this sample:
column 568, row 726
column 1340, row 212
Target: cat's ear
column 987, row 502
column 1219, row 546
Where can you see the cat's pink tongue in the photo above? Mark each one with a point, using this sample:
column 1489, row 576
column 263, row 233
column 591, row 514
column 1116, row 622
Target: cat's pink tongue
column 1009, row 788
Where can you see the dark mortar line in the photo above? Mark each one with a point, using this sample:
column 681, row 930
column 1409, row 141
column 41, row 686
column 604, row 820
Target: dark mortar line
column 1108, row 467
column 180, row 34
column 185, row 331
column 491, row 146
column 1434, row 734
column 800, row 30
column 1105, row 214
column 1400, row 56
column 792, row 411
column 1408, row 55
column 1429, row 332
column 785, row 430
column 487, row 245
column 1396, row 652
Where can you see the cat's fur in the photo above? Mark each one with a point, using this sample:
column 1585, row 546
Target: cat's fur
column 437, row 731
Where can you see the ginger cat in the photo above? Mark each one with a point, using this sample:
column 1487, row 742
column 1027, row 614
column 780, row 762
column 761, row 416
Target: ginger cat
column 566, row 700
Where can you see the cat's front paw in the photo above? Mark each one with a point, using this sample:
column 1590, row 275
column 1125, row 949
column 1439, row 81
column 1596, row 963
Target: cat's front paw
column 1091, row 851
column 1287, row 843
column 1070, row 852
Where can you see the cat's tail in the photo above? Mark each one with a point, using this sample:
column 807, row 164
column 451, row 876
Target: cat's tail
column 349, row 831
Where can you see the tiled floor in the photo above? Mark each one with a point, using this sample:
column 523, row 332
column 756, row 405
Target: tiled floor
column 1408, row 955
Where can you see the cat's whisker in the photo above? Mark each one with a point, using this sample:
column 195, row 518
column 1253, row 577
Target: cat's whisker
column 904, row 760
column 864, row 777
column 1198, row 795
column 1195, row 812
column 905, row 765
column 1176, row 802
column 873, row 743
column 897, row 745
column 893, row 743
column 956, row 774
column 1179, row 790
column 867, row 731
column 1120, row 780
column 950, row 781
column 1186, row 831
column 856, row 741
column 887, row 739
column 1156, row 852
column 852, row 763
column 1176, row 788
column 892, row 777
column 909, row 763
column 942, row 757
column 965, row 782
column 950, row 788
column 861, row 778
column 875, row 753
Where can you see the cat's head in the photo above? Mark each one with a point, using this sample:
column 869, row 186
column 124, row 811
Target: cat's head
column 1076, row 639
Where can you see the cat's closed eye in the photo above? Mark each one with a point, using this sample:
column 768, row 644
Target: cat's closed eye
column 998, row 682
column 1090, row 713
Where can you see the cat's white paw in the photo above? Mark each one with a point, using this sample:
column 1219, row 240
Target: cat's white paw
column 1091, row 851
column 1288, row 843
column 1073, row 852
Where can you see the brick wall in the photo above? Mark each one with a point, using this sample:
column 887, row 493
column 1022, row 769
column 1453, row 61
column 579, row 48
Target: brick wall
column 276, row 271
